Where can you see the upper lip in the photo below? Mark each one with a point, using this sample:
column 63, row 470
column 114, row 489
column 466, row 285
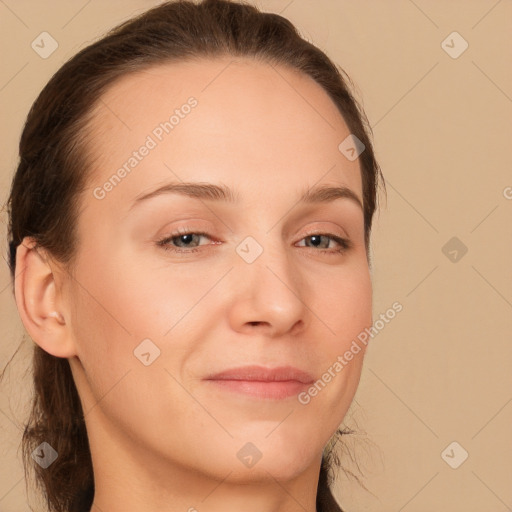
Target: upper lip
column 263, row 374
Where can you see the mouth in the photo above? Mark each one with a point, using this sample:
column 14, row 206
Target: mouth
column 261, row 382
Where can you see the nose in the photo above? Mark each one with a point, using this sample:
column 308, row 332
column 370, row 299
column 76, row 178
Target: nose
column 269, row 294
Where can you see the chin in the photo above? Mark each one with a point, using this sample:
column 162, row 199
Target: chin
column 265, row 463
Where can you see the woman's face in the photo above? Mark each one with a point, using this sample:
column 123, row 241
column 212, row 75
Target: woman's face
column 151, row 321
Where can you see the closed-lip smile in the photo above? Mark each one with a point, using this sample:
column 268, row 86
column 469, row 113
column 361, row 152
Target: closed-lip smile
column 262, row 382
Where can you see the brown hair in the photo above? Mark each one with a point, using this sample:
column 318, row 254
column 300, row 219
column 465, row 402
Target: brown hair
column 53, row 171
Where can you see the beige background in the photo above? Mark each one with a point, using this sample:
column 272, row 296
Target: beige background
column 441, row 370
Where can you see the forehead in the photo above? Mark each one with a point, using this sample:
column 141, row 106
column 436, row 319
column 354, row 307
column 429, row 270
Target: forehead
column 252, row 124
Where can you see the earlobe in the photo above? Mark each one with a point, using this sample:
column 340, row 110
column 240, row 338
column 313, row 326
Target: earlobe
column 37, row 301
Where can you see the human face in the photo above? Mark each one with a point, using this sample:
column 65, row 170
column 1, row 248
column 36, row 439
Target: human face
column 257, row 289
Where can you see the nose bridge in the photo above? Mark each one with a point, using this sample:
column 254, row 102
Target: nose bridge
column 269, row 277
column 266, row 256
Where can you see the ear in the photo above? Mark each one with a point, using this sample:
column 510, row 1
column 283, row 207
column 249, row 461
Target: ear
column 39, row 303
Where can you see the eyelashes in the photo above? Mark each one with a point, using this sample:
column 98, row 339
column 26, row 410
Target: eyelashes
column 165, row 242
column 344, row 244
column 185, row 235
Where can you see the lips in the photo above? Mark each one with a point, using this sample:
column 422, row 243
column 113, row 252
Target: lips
column 261, row 383
column 262, row 374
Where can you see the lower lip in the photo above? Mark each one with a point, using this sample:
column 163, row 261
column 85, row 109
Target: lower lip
column 275, row 390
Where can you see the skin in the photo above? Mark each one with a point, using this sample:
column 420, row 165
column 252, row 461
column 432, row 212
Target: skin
column 161, row 437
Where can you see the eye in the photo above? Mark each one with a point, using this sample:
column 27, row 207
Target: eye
column 185, row 240
column 316, row 239
column 184, row 236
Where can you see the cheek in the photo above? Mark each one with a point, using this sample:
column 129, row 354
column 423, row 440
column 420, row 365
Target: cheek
column 119, row 306
column 346, row 307
column 124, row 299
column 347, row 310
column 112, row 313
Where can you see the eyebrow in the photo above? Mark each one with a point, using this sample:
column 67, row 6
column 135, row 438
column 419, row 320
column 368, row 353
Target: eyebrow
column 213, row 192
